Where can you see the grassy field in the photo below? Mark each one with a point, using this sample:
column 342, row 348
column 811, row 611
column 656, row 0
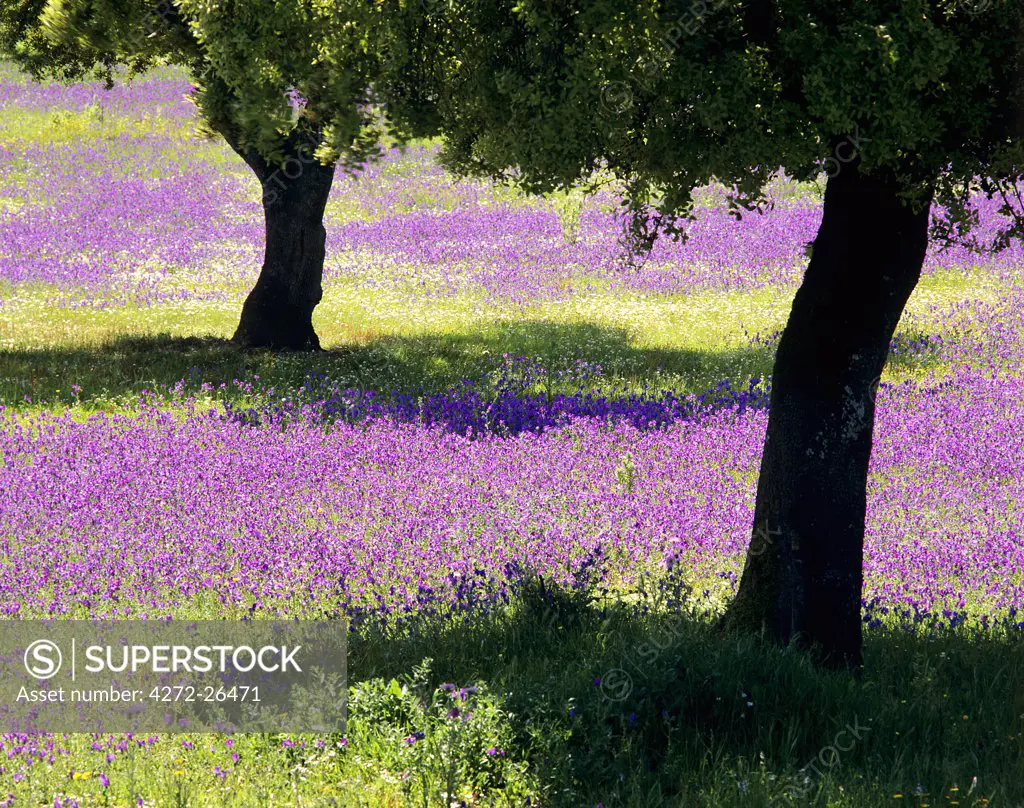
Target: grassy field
column 126, row 247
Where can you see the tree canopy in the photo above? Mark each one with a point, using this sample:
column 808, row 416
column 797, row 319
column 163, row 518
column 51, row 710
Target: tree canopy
column 262, row 70
column 671, row 95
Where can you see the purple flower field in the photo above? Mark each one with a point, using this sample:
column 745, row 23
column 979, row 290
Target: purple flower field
column 159, row 514
column 500, row 397
column 127, row 219
column 399, row 508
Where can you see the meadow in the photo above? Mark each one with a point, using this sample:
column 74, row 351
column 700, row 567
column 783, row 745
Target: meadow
column 523, row 470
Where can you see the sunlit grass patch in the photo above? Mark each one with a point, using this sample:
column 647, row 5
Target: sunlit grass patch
column 68, row 126
column 388, row 339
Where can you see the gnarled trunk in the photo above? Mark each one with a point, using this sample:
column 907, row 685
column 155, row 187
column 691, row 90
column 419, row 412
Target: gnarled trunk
column 803, row 573
column 278, row 313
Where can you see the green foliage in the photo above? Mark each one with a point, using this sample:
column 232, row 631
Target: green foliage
column 451, row 743
column 670, row 95
column 276, row 79
column 625, row 472
column 23, row 38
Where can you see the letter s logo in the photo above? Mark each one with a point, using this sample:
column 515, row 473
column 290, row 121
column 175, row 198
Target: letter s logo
column 43, row 659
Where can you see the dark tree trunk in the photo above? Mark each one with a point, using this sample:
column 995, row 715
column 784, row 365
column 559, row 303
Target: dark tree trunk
column 803, row 573
column 278, row 313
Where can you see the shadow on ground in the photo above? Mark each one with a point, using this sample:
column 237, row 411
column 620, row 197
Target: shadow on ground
column 117, row 372
column 616, row 707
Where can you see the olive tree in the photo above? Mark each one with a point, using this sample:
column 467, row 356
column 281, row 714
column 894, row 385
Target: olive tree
column 901, row 103
column 286, row 84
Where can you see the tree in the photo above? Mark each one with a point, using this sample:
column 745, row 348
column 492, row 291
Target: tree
column 900, row 102
column 287, row 85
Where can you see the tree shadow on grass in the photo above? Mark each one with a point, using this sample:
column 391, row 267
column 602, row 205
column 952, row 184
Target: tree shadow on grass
column 117, row 372
column 615, row 707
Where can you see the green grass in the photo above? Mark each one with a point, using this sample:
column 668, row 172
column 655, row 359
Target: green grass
column 65, row 126
column 614, row 707
column 381, row 340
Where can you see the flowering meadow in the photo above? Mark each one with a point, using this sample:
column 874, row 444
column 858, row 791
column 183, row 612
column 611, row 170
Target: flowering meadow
column 516, row 463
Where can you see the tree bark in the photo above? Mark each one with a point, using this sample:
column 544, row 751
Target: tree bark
column 803, row 574
column 278, row 313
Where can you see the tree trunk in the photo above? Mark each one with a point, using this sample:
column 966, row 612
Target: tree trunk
column 278, row 312
column 803, row 573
